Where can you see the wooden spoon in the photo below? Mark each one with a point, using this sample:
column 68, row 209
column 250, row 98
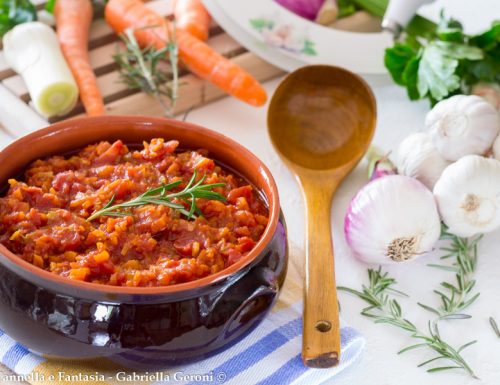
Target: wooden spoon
column 321, row 121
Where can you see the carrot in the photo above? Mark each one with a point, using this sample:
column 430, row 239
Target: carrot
column 191, row 16
column 73, row 19
column 195, row 54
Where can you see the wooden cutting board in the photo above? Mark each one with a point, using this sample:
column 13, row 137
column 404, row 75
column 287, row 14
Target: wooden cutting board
column 193, row 92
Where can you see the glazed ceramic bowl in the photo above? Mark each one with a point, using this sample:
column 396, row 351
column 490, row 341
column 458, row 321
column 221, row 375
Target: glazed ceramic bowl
column 58, row 317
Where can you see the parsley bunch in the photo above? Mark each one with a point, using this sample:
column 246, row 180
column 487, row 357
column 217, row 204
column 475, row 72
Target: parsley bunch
column 444, row 62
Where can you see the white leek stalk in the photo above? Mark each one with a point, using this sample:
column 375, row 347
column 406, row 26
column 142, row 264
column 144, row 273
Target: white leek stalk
column 15, row 115
column 32, row 50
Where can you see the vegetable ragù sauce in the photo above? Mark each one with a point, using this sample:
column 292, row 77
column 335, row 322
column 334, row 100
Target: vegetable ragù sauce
column 43, row 218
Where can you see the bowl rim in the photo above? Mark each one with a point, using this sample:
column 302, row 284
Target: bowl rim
column 66, row 126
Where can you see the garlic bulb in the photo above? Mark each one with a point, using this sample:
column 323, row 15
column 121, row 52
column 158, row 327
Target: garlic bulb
column 462, row 125
column 496, row 148
column 417, row 157
column 392, row 219
column 468, row 196
column 489, row 92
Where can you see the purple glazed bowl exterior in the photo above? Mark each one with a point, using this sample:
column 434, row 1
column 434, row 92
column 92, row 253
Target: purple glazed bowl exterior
column 165, row 326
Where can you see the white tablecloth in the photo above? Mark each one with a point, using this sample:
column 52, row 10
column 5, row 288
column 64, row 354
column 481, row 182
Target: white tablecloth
column 397, row 117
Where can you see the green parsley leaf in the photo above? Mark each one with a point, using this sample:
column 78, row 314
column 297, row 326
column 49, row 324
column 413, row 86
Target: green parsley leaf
column 396, row 59
column 49, row 6
column 459, row 51
column 450, row 30
column 437, row 70
column 436, row 63
column 488, row 40
column 14, row 12
column 488, row 69
column 410, row 77
column 436, row 73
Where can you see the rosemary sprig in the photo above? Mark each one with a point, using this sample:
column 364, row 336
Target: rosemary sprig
column 494, row 326
column 159, row 196
column 139, row 69
column 384, row 309
column 455, row 297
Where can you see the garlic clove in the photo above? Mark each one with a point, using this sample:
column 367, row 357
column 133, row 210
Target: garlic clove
column 418, row 158
column 468, row 196
column 462, row 125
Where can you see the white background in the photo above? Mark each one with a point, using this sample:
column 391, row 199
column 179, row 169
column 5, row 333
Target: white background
column 379, row 365
column 397, row 117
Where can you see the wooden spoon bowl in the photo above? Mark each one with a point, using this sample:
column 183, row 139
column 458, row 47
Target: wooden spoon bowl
column 321, row 121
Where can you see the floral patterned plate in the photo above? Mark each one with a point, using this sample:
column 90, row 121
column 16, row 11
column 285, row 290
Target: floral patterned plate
column 289, row 41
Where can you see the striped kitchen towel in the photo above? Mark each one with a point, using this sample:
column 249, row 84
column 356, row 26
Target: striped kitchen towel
column 270, row 355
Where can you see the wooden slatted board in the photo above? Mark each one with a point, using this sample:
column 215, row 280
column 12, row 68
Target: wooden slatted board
column 119, row 99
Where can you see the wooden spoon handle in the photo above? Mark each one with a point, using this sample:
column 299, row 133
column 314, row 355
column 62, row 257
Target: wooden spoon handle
column 321, row 335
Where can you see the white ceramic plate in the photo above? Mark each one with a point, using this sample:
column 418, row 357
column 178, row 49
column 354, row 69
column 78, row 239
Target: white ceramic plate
column 289, row 41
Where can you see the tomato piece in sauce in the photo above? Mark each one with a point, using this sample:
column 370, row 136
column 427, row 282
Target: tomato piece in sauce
column 43, row 217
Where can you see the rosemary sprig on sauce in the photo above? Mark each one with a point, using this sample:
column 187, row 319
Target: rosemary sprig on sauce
column 159, row 196
column 384, row 309
column 456, row 297
column 139, row 70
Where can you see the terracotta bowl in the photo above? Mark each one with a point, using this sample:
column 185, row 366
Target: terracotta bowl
column 66, row 319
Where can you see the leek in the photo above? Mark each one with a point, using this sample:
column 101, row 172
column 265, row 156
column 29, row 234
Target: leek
column 33, row 51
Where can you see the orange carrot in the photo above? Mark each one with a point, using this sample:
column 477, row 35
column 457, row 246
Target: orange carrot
column 195, row 54
column 73, row 19
column 191, row 16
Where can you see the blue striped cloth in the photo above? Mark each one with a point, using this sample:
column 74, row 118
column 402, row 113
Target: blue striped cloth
column 269, row 355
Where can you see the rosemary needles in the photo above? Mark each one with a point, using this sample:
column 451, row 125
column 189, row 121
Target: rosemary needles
column 383, row 308
column 494, row 326
column 456, row 297
column 141, row 69
column 158, row 196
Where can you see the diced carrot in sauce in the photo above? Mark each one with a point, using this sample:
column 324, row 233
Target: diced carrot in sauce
column 38, row 261
column 243, row 191
column 101, row 257
column 133, row 264
column 79, row 274
column 195, row 249
column 43, row 216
